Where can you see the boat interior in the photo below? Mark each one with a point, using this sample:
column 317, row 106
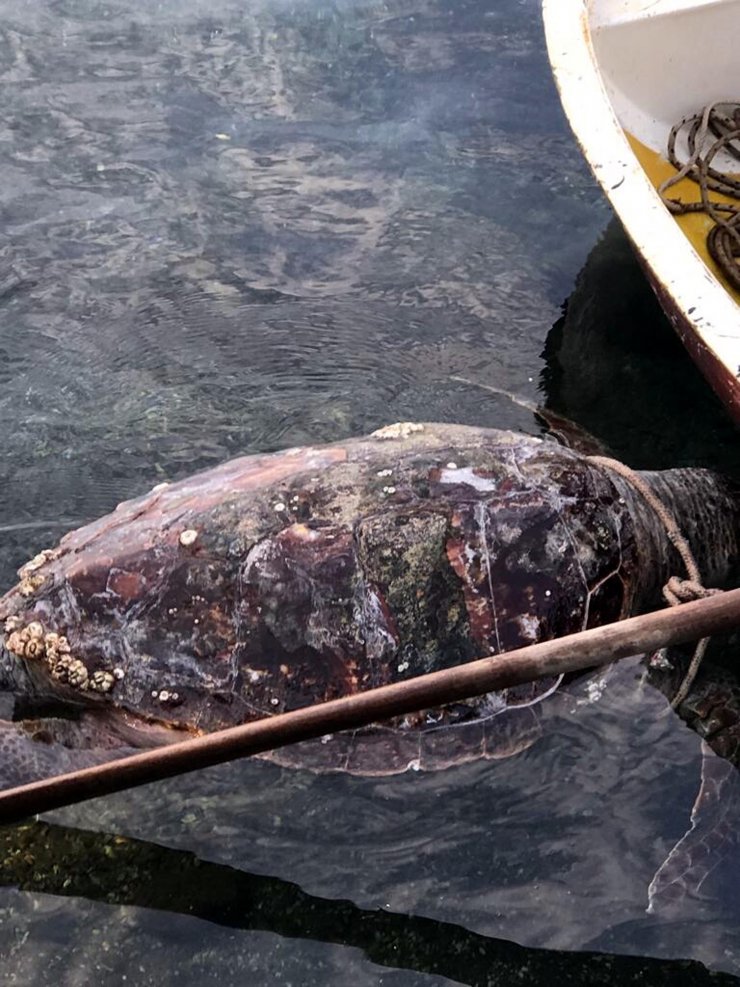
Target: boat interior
column 662, row 61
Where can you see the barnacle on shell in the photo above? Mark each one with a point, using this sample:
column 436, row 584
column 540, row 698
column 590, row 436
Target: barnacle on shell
column 51, row 640
column 34, row 648
column 56, row 644
column 77, row 674
column 399, row 430
column 13, row 623
column 30, row 583
column 101, row 681
column 167, row 698
column 15, row 643
column 67, row 668
column 33, row 642
column 60, row 668
column 28, row 641
column 48, row 555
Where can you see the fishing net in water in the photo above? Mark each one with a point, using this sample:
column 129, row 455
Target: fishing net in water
column 714, row 130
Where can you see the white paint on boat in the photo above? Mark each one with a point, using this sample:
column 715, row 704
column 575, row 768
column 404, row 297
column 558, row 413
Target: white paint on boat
column 665, row 61
column 611, row 12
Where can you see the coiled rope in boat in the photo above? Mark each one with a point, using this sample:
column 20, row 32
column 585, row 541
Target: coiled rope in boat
column 715, row 129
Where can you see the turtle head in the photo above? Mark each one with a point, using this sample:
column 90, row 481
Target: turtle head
column 706, row 508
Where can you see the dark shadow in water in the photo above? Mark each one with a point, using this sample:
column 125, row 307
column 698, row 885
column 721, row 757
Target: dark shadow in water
column 50, row 859
column 615, row 365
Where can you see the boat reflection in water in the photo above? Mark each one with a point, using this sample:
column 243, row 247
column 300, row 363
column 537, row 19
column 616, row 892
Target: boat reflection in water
column 615, row 365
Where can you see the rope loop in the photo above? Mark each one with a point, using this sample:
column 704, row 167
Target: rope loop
column 678, row 591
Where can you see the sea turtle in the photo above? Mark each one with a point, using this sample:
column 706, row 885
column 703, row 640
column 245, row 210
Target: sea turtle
column 275, row 581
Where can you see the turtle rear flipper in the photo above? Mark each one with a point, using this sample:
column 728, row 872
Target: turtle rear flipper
column 711, row 836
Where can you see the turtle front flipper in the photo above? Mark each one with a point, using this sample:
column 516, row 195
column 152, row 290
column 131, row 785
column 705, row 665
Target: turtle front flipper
column 710, row 837
column 29, row 752
column 32, row 749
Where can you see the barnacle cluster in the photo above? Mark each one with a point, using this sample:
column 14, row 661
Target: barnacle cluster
column 102, row 681
column 30, row 577
column 30, row 583
column 165, row 696
column 399, row 430
column 31, row 641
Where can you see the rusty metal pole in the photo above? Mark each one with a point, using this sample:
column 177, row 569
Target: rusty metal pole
column 577, row 652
